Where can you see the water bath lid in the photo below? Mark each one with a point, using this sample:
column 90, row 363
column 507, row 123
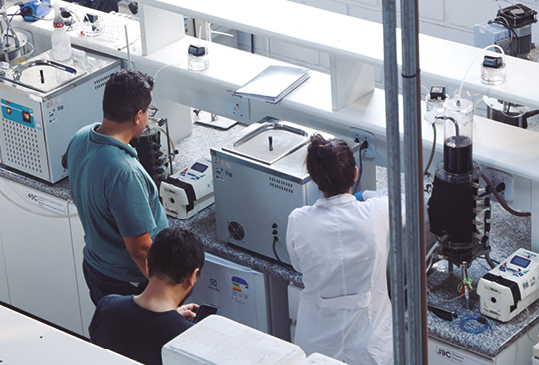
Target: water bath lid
column 270, row 142
column 43, row 74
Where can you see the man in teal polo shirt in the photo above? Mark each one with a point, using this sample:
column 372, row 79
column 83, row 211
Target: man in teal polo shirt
column 117, row 201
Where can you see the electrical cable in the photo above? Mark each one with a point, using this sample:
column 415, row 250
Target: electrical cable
column 30, row 16
column 501, row 200
column 487, row 258
column 446, row 300
column 433, row 150
column 364, row 145
column 466, row 327
column 169, row 140
column 165, row 66
column 273, row 247
column 432, row 250
column 9, row 25
column 512, row 33
column 171, row 157
column 172, row 152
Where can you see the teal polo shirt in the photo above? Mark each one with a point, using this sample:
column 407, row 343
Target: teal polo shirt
column 115, row 198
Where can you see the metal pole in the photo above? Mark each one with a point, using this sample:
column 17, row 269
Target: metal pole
column 415, row 209
column 396, row 255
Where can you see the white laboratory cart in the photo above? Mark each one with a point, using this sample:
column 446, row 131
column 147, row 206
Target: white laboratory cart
column 244, row 295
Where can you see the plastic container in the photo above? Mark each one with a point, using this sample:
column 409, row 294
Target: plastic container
column 197, row 56
column 61, row 43
column 220, row 341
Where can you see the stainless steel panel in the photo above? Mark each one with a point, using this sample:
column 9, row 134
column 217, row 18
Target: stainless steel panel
column 270, row 142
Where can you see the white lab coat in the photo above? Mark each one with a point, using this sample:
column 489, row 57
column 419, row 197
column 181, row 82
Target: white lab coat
column 341, row 246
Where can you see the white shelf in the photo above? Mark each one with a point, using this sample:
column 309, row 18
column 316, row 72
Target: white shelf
column 497, row 145
column 441, row 61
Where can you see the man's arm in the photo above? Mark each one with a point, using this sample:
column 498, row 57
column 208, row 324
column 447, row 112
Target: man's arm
column 138, row 247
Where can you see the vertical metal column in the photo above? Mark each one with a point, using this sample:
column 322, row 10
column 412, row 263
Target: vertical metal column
column 415, row 209
column 396, row 254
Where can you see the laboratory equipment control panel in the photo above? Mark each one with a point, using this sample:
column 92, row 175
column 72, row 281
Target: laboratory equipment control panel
column 197, row 171
column 510, row 287
column 188, row 191
column 516, row 266
column 17, row 113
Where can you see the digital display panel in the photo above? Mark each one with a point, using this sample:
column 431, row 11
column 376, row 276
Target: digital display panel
column 197, row 166
column 520, row 261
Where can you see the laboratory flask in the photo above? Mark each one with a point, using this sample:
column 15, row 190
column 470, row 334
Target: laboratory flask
column 458, row 130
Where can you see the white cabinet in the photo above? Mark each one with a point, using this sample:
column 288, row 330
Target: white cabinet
column 87, row 307
column 38, row 255
column 4, row 289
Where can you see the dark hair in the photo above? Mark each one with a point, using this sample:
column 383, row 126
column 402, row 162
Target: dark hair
column 126, row 93
column 331, row 165
column 175, row 253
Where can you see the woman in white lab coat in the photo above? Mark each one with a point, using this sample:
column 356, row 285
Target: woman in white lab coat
column 340, row 245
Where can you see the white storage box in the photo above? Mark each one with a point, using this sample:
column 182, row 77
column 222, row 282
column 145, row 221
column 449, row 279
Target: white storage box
column 319, row 359
column 219, row 340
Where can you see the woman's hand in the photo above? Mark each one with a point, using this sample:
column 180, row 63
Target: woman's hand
column 188, row 311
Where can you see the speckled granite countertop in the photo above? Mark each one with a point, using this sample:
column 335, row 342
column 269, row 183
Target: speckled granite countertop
column 507, row 234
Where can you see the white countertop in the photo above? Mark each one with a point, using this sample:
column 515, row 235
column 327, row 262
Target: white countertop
column 507, row 148
column 350, row 37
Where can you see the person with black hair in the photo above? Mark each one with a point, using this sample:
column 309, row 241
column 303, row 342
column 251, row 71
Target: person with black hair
column 117, row 201
column 341, row 246
column 139, row 326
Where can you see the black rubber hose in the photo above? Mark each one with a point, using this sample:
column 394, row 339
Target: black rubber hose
column 502, row 201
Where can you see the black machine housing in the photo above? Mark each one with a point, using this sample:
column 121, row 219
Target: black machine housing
column 452, row 215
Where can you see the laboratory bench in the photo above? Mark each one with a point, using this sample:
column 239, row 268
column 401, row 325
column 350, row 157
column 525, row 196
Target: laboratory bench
column 508, row 233
column 500, row 343
column 196, row 145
